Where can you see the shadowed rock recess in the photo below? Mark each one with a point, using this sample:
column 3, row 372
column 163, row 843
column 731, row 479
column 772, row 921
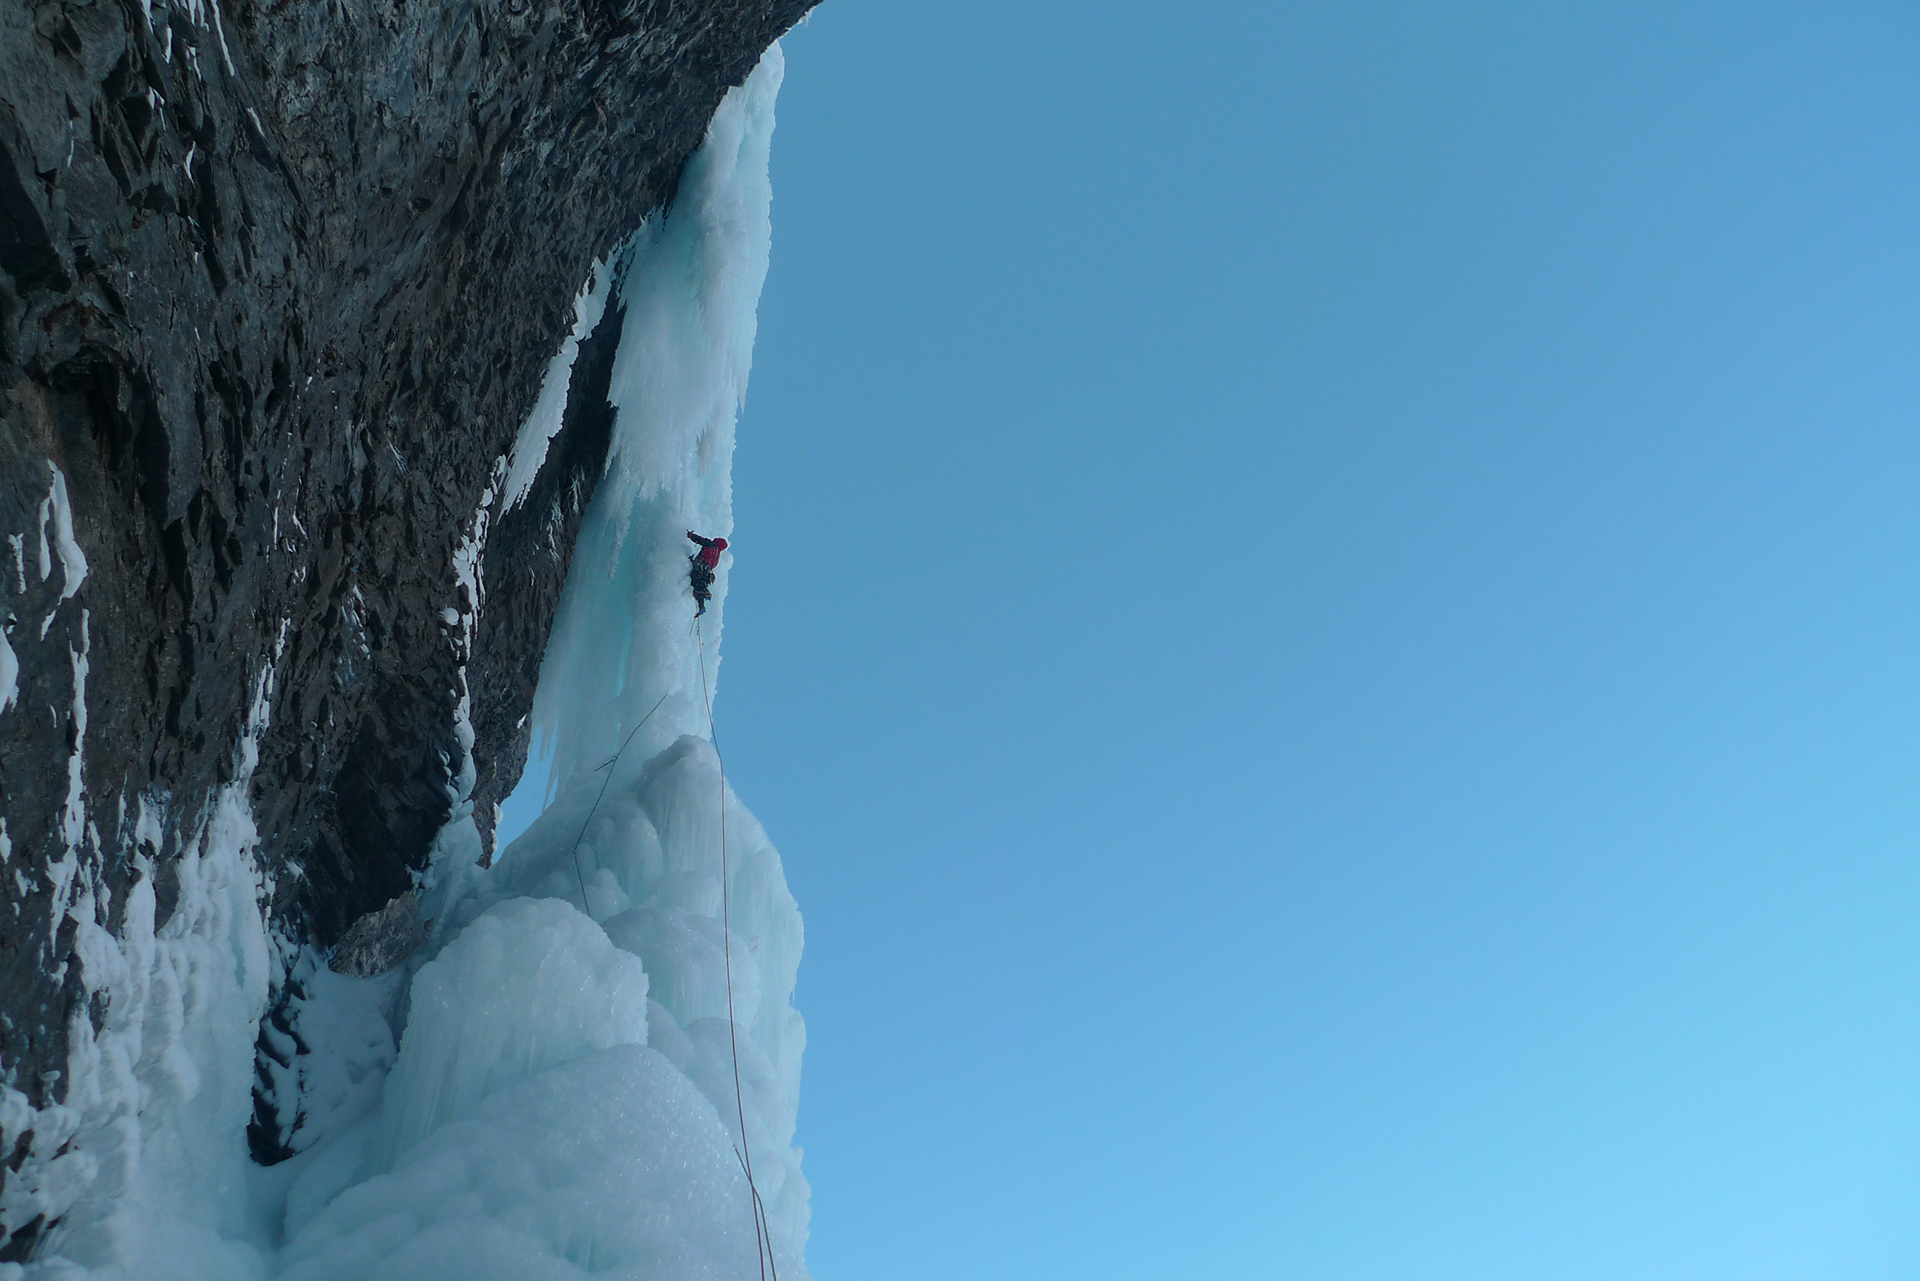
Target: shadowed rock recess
column 278, row 285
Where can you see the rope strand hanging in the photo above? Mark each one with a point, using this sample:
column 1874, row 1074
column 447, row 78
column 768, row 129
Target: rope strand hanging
column 762, row 1231
column 578, row 875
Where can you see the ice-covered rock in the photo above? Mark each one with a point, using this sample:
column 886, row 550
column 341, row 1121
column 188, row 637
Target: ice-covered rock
column 586, row 1059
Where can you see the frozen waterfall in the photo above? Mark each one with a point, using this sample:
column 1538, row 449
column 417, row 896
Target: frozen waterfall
column 548, row 1089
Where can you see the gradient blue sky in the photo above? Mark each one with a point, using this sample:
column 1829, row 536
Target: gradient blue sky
column 1326, row 619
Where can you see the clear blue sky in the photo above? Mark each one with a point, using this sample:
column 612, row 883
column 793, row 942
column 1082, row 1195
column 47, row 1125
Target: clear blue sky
column 1326, row 619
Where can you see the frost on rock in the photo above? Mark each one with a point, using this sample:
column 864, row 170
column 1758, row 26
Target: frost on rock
column 57, row 511
column 142, row 1169
column 544, row 1085
column 549, row 411
column 9, row 673
column 564, row 1098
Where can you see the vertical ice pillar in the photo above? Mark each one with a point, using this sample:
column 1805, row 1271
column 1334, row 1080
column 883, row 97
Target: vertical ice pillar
column 624, row 636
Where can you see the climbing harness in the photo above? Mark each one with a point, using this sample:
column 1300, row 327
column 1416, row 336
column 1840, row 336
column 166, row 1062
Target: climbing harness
column 762, row 1232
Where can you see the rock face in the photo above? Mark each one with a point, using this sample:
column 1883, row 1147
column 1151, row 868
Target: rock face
column 279, row 280
column 379, row 941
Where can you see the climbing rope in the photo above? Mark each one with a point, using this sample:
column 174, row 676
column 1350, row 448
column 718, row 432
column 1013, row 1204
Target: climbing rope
column 601, row 795
column 762, row 1231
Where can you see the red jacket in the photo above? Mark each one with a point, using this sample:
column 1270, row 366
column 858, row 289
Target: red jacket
column 710, row 549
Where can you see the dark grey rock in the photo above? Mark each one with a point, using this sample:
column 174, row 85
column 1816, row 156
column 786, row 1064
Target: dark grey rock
column 275, row 294
column 380, row 940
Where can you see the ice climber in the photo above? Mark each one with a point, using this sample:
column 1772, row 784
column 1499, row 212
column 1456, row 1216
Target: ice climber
column 704, row 562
